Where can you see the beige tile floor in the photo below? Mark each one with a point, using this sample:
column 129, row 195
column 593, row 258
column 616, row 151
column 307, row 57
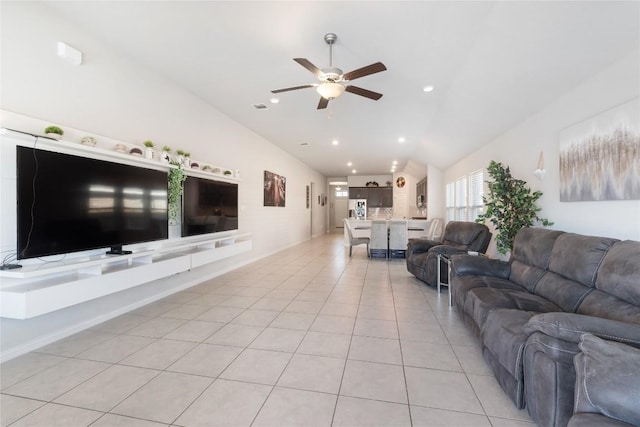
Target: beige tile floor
column 306, row 337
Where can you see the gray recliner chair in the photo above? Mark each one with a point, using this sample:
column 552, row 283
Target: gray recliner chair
column 459, row 237
column 607, row 392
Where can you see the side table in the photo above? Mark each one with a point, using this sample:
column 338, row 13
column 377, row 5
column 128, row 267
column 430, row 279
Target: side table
column 444, row 258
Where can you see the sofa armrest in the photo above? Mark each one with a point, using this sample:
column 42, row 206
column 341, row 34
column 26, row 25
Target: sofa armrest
column 420, row 246
column 570, row 327
column 474, row 265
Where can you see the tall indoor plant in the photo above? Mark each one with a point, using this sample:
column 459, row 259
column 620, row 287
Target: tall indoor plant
column 510, row 206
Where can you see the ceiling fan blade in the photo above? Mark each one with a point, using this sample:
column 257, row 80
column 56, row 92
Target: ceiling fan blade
column 308, row 65
column 323, row 103
column 364, row 92
column 291, row 88
column 364, row 71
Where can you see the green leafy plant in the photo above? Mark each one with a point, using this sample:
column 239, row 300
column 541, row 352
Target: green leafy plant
column 510, row 206
column 228, row 172
column 54, row 129
column 187, row 154
column 166, row 148
column 180, row 152
column 148, row 144
column 175, row 179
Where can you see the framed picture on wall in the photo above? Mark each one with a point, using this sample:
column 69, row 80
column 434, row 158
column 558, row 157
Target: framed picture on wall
column 275, row 187
column 599, row 157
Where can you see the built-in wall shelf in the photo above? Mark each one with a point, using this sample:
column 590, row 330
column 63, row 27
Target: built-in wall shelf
column 102, row 153
column 42, row 288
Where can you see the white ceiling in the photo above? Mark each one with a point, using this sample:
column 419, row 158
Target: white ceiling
column 493, row 64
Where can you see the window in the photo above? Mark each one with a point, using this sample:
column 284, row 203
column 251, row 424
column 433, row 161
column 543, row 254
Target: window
column 464, row 197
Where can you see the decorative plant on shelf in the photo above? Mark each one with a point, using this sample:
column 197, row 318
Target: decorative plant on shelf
column 228, row 172
column 510, row 206
column 174, row 191
column 54, row 130
column 148, row 144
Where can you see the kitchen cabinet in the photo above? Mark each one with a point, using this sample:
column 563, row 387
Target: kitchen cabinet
column 377, row 197
column 358, row 192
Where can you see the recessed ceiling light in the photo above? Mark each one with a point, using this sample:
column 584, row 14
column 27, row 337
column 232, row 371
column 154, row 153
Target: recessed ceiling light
column 335, row 142
column 428, row 88
column 401, row 140
column 274, row 100
column 353, row 171
column 349, row 164
column 395, row 162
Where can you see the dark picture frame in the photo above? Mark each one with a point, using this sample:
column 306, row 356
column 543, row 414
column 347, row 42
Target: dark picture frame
column 275, row 189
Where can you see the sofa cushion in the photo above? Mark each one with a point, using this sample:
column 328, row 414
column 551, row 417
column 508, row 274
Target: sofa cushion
column 461, row 233
column 463, row 284
column 607, row 379
column 481, row 301
column 531, row 254
column 565, row 293
column 601, row 304
column 578, row 257
column 619, row 274
column 502, row 333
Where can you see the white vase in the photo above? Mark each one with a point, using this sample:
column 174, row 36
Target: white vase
column 53, row 135
column 165, row 157
column 148, row 153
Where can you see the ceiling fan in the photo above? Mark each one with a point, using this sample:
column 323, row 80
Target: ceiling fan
column 333, row 82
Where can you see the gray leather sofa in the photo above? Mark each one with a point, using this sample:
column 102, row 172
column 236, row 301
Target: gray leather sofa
column 529, row 313
column 459, row 237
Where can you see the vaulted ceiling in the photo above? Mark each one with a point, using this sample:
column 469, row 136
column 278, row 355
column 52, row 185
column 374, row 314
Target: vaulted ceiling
column 492, row 65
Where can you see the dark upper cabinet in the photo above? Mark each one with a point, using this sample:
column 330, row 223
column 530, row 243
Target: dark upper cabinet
column 377, row 197
column 358, row 193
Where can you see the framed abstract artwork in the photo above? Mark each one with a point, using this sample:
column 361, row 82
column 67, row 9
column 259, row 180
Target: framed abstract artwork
column 600, row 157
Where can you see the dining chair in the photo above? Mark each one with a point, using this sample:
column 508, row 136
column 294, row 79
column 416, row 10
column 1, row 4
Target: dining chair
column 379, row 241
column 397, row 238
column 355, row 241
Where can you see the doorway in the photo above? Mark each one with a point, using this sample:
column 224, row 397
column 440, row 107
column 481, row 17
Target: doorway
column 338, row 205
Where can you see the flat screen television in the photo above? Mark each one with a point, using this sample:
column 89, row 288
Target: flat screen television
column 208, row 206
column 69, row 203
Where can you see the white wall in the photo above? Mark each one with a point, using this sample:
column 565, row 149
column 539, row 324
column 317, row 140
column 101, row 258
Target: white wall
column 520, row 147
column 112, row 96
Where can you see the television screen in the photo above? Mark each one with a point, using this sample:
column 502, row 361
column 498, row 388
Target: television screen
column 69, row 203
column 209, row 206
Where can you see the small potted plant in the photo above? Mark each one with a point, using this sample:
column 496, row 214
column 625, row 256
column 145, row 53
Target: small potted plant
column 54, row 132
column 148, row 151
column 180, row 157
column 228, row 172
column 165, row 157
column 187, row 159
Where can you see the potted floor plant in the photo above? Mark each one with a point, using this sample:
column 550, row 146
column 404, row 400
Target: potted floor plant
column 509, row 206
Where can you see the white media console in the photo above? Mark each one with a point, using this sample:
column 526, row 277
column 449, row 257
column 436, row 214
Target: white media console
column 43, row 287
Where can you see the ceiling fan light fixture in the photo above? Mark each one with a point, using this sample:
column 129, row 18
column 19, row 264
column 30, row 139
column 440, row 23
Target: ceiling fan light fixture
column 330, row 90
